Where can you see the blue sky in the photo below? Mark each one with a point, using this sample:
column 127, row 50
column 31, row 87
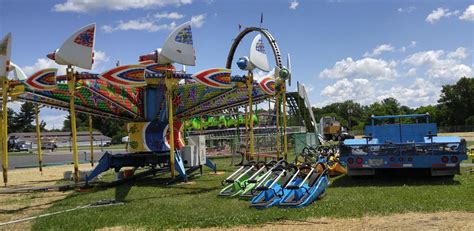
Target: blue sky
column 359, row 50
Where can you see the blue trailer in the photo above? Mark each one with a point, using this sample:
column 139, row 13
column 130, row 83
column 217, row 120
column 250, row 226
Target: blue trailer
column 403, row 142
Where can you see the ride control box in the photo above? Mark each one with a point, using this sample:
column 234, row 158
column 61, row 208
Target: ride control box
column 194, row 154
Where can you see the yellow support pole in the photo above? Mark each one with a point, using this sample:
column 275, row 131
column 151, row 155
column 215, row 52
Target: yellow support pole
column 277, row 124
column 169, row 88
column 71, row 81
column 1, row 132
column 246, row 117
column 91, row 138
column 38, row 139
column 4, row 126
column 285, row 137
column 250, row 91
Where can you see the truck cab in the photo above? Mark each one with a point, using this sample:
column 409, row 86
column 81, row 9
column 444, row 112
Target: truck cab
column 333, row 130
column 403, row 142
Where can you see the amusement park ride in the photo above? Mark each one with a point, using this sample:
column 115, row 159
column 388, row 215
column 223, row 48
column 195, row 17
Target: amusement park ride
column 152, row 96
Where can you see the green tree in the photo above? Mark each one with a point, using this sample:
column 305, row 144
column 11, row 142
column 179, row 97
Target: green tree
column 470, row 120
column 113, row 128
column 11, row 116
column 433, row 110
column 457, row 101
column 82, row 123
column 22, row 121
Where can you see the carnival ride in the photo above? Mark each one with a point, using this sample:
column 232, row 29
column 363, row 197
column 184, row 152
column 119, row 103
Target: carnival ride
column 152, row 96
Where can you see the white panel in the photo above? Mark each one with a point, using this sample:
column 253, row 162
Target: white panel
column 258, row 57
column 5, row 53
column 77, row 49
column 179, row 47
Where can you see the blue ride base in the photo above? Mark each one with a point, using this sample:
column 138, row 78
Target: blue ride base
column 118, row 161
column 303, row 196
column 293, row 194
column 268, row 197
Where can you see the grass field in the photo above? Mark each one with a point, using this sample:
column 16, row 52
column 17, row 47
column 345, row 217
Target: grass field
column 151, row 204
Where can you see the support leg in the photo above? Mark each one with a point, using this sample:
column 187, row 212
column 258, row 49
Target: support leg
column 4, row 129
column 71, row 80
column 91, row 138
column 38, row 140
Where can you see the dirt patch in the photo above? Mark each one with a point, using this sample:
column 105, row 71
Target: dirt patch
column 406, row 221
column 21, row 205
column 216, row 173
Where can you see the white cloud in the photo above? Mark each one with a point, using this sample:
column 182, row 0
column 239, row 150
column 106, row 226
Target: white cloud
column 411, row 72
column 440, row 67
column 439, row 13
column 107, row 28
column 421, row 92
column 43, row 63
column 448, row 71
column 379, row 50
column 294, row 4
column 53, row 118
column 308, row 87
column 424, row 74
column 198, row 20
column 166, row 15
column 83, row 6
column 99, row 58
column 407, row 9
column 459, row 53
column 412, row 45
column 364, row 91
column 139, row 24
column 150, row 23
column 360, row 90
column 364, row 68
column 424, row 57
column 468, row 14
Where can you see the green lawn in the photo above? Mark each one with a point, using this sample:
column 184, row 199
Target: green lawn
column 150, row 204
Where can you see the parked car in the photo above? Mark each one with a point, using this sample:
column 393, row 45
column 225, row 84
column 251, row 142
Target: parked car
column 15, row 145
column 106, row 144
column 49, row 145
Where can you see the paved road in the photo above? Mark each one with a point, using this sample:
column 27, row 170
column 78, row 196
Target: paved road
column 53, row 157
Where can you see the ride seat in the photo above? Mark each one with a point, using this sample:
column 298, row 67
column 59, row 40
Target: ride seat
column 313, row 179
